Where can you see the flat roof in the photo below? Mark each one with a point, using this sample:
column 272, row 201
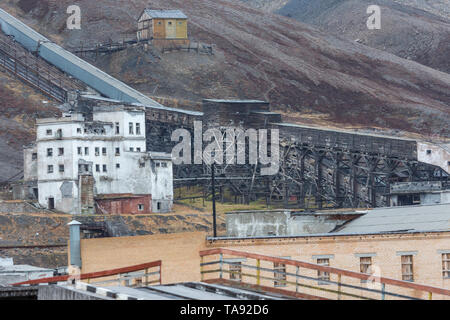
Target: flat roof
column 294, row 125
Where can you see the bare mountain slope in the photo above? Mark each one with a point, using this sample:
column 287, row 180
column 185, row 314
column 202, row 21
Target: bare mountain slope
column 405, row 31
column 260, row 55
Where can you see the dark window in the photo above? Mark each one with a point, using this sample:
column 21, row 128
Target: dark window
column 104, row 168
column 50, row 152
column 118, row 165
column 138, row 128
column 117, row 151
column 78, row 130
column 97, row 151
column 59, row 133
column 164, row 164
column 131, row 149
column 50, row 169
column 80, row 151
column 86, row 151
column 60, row 151
column 34, row 156
column 158, row 164
column 428, row 151
column 61, row 168
column 140, row 207
column 49, row 132
column 138, row 149
column 158, row 205
column 117, row 128
column 104, row 151
column 97, row 167
column 130, row 128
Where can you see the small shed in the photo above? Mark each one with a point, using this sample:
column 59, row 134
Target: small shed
column 162, row 25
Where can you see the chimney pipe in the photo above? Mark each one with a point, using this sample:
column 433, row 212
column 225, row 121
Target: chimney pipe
column 75, row 248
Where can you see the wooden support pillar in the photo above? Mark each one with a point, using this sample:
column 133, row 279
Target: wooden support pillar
column 318, row 174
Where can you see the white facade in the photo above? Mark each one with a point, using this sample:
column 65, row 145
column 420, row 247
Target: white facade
column 111, row 147
column 438, row 155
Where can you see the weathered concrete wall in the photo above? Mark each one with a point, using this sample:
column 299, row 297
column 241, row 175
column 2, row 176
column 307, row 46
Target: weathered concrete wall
column 282, row 223
column 439, row 155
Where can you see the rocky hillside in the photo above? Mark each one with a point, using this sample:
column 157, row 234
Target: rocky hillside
column 20, row 105
column 298, row 68
column 406, row 30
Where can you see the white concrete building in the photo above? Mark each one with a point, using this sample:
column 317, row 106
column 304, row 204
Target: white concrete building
column 77, row 159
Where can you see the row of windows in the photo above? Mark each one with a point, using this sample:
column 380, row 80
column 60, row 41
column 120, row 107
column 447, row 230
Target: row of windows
column 132, row 128
column 407, row 269
column 86, row 151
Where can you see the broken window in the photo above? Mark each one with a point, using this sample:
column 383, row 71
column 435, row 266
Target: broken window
column 236, row 271
column 322, row 275
column 407, row 268
column 49, row 152
column 365, row 266
column 61, row 168
column 279, row 274
column 446, row 265
column 130, row 128
column 138, row 128
column 60, row 151
column 78, row 130
column 50, row 169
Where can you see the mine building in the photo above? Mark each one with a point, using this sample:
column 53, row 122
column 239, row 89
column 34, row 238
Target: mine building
column 98, row 163
column 163, row 26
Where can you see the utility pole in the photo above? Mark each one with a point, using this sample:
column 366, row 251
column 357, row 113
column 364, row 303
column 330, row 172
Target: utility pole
column 213, row 184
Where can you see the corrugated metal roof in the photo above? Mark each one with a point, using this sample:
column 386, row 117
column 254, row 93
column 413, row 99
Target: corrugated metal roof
column 401, row 219
column 166, row 14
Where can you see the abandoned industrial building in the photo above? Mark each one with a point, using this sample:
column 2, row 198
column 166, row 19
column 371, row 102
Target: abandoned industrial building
column 77, row 164
column 343, row 209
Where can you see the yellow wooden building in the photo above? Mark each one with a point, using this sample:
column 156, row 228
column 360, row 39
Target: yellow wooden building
column 162, row 25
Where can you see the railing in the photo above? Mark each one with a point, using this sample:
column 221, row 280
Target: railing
column 306, row 280
column 133, row 276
